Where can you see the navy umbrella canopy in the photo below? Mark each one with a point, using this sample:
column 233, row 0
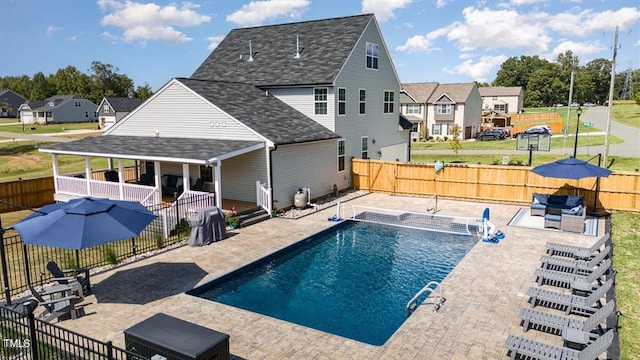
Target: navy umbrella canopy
column 84, row 222
column 571, row 168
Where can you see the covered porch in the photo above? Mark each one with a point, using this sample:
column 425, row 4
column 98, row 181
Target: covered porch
column 153, row 170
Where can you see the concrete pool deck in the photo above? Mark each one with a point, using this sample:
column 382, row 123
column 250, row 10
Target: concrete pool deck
column 484, row 292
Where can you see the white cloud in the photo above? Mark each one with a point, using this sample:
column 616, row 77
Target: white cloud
column 582, row 50
column 383, row 9
column 257, row 12
column 442, row 3
column 214, row 41
column 51, row 30
column 589, row 22
column 479, row 70
column 73, row 38
column 423, row 43
column 143, row 22
column 525, row 2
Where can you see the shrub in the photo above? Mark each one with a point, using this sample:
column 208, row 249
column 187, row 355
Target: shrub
column 110, row 255
column 159, row 238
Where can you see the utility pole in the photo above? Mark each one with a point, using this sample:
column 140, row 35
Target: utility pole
column 613, row 80
column 566, row 128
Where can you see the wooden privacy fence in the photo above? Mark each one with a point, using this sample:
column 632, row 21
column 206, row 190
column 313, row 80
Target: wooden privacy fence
column 492, row 183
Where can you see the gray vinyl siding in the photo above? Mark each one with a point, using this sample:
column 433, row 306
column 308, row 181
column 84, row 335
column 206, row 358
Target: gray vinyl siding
column 302, row 99
column 177, row 112
column 240, row 173
column 67, row 112
column 310, row 165
column 472, row 111
column 383, row 128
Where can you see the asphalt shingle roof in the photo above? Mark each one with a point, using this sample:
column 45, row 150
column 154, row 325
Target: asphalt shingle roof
column 325, row 45
column 420, row 91
column 123, row 104
column 266, row 114
column 456, row 92
column 149, row 148
column 500, row 90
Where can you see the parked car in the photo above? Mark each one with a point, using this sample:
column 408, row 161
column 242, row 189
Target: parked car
column 536, row 130
column 588, row 104
column 574, row 104
column 491, row 134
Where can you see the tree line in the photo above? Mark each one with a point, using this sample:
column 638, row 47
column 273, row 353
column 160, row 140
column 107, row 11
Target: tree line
column 546, row 83
column 104, row 80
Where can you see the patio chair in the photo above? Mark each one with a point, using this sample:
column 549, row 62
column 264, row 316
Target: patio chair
column 569, row 303
column 578, row 252
column 146, row 179
column 563, row 325
column 57, row 308
column 573, row 281
column 580, row 267
column 111, row 175
column 80, row 276
column 518, row 345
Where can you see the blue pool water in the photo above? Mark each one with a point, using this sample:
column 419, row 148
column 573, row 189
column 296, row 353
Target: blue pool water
column 352, row 280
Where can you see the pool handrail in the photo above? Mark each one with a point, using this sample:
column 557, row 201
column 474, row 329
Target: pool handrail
column 439, row 299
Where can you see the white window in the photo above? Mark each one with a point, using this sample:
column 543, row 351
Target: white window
column 372, row 56
column 363, row 102
column 437, row 129
column 342, row 101
column 341, row 154
column 413, row 108
column 320, row 98
column 443, row 108
column 364, row 147
column 388, row 102
column 500, row 107
column 106, row 109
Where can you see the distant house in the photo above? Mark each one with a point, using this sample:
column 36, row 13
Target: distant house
column 9, row 103
column 441, row 106
column 113, row 109
column 505, row 99
column 272, row 109
column 58, row 109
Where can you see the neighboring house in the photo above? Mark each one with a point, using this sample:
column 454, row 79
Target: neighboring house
column 271, row 110
column 113, row 109
column 9, row 103
column 441, row 106
column 505, row 99
column 58, row 109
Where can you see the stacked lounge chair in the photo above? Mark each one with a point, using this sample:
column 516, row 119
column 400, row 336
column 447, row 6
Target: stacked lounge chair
column 587, row 272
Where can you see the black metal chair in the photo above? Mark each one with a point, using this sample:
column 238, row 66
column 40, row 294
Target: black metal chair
column 111, row 175
column 80, row 276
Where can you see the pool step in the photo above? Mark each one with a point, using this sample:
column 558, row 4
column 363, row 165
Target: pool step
column 252, row 216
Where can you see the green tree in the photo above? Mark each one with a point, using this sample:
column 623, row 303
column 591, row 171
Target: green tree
column 598, row 73
column 107, row 82
column 143, row 92
column 455, row 132
column 40, row 87
column 517, row 71
column 545, row 88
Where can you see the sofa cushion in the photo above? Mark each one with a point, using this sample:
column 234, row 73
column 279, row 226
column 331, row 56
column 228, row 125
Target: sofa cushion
column 557, row 200
column 573, row 201
column 540, row 198
column 538, row 206
column 577, row 211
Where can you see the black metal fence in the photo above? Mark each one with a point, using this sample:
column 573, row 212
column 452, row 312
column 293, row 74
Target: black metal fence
column 25, row 337
column 26, row 263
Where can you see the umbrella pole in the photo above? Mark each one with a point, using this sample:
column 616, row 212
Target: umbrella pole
column 78, row 259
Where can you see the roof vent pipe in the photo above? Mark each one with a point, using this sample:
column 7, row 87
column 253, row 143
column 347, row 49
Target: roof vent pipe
column 250, row 52
column 297, row 56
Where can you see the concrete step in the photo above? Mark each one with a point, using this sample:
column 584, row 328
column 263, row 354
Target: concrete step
column 252, row 216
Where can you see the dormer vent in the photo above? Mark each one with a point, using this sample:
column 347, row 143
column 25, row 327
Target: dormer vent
column 297, row 56
column 250, row 52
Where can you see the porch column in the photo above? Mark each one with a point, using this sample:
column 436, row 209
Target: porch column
column 87, row 173
column 121, row 179
column 217, row 185
column 54, row 159
column 157, row 178
column 186, row 181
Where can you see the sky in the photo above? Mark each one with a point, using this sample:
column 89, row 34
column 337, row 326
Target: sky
column 448, row 41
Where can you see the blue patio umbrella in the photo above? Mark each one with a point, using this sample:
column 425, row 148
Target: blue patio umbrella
column 571, row 168
column 84, row 222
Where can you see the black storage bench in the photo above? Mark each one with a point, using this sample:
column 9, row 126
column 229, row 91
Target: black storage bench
column 176, row 339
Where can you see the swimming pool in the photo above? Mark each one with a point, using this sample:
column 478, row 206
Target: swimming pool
column 353, row 279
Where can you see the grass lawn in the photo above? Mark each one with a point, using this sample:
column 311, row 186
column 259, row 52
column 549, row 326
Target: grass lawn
column 48, row 129
column 626, row 260
column 510, row 144
column 628, row 114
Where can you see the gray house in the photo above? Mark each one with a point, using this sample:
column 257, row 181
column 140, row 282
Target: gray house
column 271, row 110
column 58, row 109
column 9, row 103
column 113, row 109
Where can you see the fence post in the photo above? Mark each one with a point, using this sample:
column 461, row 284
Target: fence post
column 32, row 333
column 109, row 350
column 5, row 275
column 26, row 263
column 133, row 245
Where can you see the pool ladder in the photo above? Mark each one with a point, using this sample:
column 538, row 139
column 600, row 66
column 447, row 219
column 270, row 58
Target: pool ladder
column 437, row 299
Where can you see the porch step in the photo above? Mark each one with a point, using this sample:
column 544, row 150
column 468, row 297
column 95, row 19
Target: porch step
column 252, row 216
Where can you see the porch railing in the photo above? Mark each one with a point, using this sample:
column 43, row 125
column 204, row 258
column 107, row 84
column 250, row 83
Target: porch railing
column 146, row 195
column 263, row 197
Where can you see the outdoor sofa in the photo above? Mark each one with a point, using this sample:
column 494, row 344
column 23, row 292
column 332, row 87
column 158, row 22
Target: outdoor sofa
column 543, row 204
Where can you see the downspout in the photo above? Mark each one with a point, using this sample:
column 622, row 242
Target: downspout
column 270, row 177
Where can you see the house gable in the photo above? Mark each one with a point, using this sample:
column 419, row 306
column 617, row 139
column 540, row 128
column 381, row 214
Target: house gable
column 10, row 102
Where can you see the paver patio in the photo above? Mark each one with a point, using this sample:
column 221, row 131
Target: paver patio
column 484, row 292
